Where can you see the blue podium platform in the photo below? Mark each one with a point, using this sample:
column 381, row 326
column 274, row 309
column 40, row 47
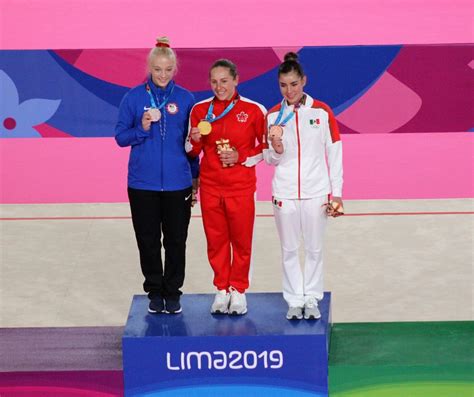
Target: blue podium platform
column 198, row 354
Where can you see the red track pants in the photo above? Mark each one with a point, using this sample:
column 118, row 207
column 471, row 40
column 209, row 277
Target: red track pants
column 228, row 224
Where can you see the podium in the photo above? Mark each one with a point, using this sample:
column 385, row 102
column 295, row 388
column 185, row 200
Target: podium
column 195, row 353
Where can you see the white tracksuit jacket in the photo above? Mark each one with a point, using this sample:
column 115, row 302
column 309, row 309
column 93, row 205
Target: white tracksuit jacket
column 309, row 137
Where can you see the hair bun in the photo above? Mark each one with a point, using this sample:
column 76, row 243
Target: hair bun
column 163, row 41
column 291, row 56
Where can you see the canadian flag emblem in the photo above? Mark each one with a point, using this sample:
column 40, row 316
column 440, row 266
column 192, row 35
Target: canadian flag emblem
column 242, row 117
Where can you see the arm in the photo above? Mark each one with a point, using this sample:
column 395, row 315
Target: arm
column 126, row 132
column 193, row 161
column 334, row 155
column 193, row 144
column 274, row 151
column 253, row 156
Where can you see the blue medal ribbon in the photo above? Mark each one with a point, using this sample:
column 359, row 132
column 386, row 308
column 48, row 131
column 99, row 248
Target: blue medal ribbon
column 280, row 115
column 160, row 106
column 165, row 99
column 227, row 110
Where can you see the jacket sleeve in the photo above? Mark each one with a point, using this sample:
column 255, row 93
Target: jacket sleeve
column 334, row 154
column 193, row 161
column 126, row 132
column 253, row 156
column 269, row 155
column 193, row 149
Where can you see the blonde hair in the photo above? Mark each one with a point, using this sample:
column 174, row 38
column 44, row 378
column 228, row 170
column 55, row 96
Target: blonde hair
column 162, row 48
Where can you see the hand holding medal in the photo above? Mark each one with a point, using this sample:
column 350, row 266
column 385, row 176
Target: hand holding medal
column 195, row 134
column 334, row 207
column 146, row 121
column 275, row 133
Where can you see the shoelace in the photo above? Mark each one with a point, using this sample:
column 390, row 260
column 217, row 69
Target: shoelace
column 311, row 303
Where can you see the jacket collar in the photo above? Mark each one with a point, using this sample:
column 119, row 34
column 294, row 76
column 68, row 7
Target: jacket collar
column 305, row 102
column 226, row 102
column 158, row 90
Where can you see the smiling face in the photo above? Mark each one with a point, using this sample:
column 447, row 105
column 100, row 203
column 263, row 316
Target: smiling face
column 291, row 86
column 223, row 84
column 162, row 69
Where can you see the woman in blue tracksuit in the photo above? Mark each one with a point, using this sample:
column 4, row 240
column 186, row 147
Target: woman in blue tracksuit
column 153, row 120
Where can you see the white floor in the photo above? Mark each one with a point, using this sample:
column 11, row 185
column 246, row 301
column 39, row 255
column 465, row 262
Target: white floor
column 84, row 271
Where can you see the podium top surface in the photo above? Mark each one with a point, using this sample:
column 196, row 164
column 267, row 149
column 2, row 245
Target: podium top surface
column 265, row 317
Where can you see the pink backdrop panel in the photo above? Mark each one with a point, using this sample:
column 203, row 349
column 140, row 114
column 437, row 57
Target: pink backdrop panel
column 53, row 24
column 62, row 170
column 408, row 166
column 376, row 166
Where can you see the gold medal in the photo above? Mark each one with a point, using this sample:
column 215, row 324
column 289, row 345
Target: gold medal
column 275, row 131
column 155, row 114
column 204, row 127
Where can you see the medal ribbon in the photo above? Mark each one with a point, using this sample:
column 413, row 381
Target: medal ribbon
column 280, row 115
column 165, row 99
column 227, row 110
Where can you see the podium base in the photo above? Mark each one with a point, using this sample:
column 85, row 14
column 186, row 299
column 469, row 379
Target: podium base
column 195, row 353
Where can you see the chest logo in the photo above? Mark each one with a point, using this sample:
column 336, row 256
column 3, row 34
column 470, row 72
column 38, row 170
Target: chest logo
column 242, row 117
column 172, row 108
column 315, row 123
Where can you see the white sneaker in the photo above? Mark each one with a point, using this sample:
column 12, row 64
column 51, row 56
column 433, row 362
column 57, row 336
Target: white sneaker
column 294, row 313
column 221, row 302
column 311, row 310
column 238, row 302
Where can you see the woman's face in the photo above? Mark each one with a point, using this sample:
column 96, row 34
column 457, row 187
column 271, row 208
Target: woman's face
column 291, row 86
column 162, row 70
column 222, row 83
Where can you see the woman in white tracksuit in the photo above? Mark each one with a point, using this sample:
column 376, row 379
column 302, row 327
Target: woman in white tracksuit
column 305, row 148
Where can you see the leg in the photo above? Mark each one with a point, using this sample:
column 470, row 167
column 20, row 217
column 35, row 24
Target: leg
column 175, row 213
column 241, row 215
column 314, row 224
column 145, row 208
column 288, row 222
column 217, row 235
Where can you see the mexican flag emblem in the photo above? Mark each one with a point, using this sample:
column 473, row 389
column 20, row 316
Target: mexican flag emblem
column 315, row 122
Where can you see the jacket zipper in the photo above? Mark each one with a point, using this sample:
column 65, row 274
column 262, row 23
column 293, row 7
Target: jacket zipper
column 299, row 155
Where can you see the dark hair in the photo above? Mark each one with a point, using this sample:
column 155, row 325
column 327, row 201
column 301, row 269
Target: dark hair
column 291, row 64
column 225, row 63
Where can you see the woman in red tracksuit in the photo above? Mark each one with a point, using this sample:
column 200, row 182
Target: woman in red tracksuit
column 229, row 129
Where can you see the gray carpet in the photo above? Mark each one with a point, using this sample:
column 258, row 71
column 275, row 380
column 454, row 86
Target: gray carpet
column 60, row 349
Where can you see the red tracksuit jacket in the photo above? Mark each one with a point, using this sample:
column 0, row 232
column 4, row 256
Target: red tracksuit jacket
column 244, row 126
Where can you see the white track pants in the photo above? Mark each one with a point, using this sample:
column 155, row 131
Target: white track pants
column 295, row 218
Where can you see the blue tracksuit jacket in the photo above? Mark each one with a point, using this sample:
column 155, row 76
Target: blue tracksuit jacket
column 158, row 160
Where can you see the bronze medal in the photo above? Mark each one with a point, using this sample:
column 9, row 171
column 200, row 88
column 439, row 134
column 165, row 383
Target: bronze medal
column 275, row 131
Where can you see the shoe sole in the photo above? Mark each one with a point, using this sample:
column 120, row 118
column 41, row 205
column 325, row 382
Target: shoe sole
column 294, row 318
column 235, row 313
column 312, row 318
column 218, row 312
column 175, row 312
column 155, row 311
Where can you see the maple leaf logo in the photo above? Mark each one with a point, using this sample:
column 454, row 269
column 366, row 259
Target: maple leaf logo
column 242, row 117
